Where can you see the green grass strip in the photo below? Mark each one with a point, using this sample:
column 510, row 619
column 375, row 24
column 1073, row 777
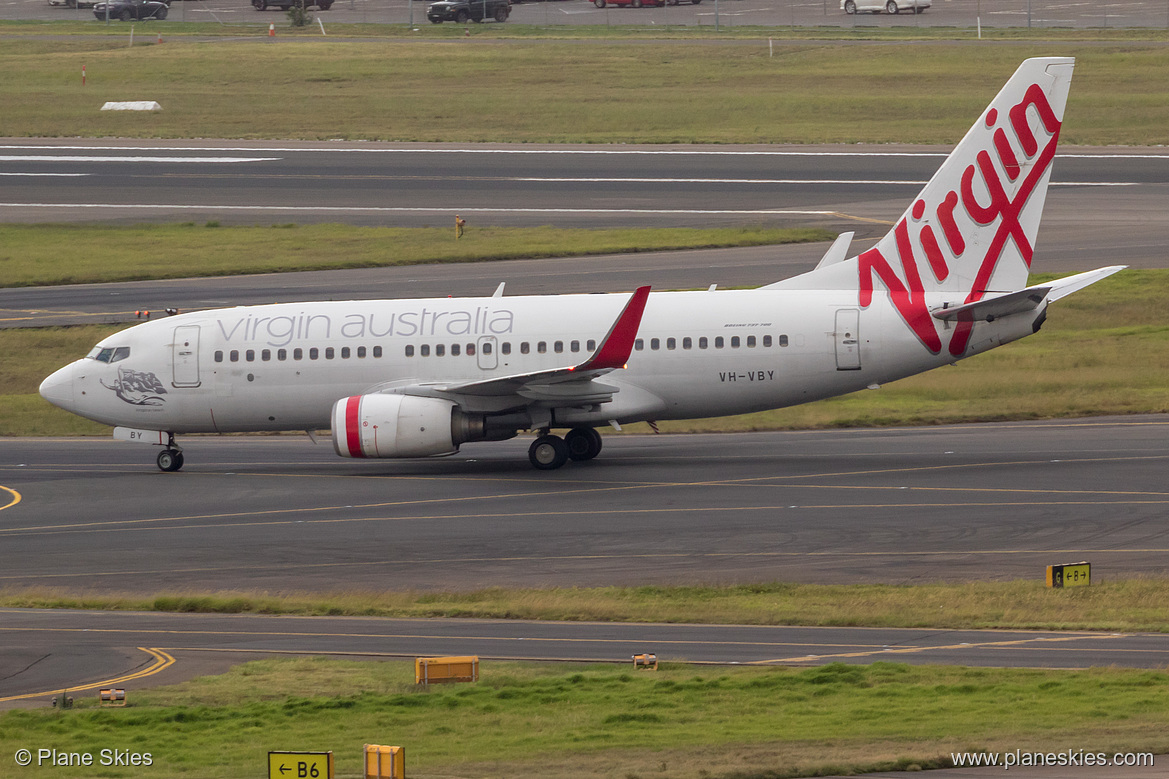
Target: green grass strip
column 1117, row 605
column 609, row 91
column 558, row 721
column 45, row 254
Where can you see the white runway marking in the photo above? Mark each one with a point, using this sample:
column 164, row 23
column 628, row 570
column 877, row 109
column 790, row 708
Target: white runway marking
column 82, row 158
column 417, row 209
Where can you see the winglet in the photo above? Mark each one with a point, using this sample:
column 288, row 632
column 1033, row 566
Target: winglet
column 615, row 349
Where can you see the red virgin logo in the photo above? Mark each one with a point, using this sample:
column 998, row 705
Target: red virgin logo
column 965, row 222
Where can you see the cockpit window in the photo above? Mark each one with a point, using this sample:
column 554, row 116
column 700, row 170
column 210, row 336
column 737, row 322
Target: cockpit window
column 109, row 353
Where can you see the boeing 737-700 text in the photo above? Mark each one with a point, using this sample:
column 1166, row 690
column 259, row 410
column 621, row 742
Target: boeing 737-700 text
column 416, row 378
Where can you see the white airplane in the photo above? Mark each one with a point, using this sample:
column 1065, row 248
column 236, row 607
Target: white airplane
column 416, row 378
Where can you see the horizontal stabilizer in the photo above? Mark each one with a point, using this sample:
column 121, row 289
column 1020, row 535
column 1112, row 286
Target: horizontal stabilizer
column 991, row 308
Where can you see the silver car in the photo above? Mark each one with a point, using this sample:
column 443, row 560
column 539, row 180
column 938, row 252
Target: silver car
column 888, row 6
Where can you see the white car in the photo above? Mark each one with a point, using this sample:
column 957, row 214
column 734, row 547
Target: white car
column 888, row 6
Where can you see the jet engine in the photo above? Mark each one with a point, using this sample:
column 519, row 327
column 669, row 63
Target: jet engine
column 393, row 426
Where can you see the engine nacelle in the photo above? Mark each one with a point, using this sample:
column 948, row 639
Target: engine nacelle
column 392, row 426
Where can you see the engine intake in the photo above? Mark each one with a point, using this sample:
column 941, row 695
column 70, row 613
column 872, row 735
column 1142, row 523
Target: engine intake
column 393, row 426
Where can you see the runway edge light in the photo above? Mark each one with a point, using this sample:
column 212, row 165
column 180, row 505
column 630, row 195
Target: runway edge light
column 1069, row 575
column 384, row 762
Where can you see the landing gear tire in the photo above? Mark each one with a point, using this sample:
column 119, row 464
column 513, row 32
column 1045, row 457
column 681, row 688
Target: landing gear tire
column 170, row 460
column 548, row 452
column 584, row 443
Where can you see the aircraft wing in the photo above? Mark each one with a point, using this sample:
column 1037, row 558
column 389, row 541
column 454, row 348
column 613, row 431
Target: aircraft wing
column 568, row 385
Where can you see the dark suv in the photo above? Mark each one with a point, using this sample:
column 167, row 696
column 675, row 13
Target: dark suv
column 461, row 10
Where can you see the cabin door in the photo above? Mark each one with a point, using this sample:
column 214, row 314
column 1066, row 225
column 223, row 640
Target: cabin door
column 186, row 356
column 848, row 341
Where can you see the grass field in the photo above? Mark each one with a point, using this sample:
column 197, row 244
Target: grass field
column 558, row 721
column 45, row 254
column 820, row 91
column 1111, row 605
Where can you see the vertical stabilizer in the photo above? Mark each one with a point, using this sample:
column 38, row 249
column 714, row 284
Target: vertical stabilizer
column 971, row 231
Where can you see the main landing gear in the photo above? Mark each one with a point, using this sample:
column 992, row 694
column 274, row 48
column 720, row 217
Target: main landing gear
column 549, row 452
column 170, row 459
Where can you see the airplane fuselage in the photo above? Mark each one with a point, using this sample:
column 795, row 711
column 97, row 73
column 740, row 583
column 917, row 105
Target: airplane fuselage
column 698, row 354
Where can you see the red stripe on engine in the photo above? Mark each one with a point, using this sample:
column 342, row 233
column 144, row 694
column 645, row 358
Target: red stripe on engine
column 353, row 426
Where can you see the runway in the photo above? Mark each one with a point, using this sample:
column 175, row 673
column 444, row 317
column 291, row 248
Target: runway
column 282, row 515
column 1105, row 207
column 147, row 649
column 883, row 505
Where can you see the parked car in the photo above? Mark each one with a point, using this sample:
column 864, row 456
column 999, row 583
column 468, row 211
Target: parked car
column 74, row 3
column 129, row 10
column 460, row 11
column 888, row 6
column 630, row 3
column 284, row 5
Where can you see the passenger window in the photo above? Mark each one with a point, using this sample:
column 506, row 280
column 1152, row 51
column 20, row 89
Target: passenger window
column 687, row 343
column 424, row 350
column 718, row 342
column 655, row 344
column 234, row 356
column 702, row 342
column 487, row 347
column 298, row 353
column 377, row 351
column 360, row 352
column 266, row 355
column 750, row 342
column 505, row 347
column 574, row 346
column 314, row 353
column 767, row 341
column 218, row 356
column 734, row 342
column 524, row 348
column 440, row 350
column 344, row 352
column 783, row 340
column 329, row 353
column 639, row 344
column 456, row 350
column 250, row 355
column 671, row 343
column 591, row 345
column 541, row 347
column 410, row 350
column 282, row 354
column 558, row 347
column 470, row 350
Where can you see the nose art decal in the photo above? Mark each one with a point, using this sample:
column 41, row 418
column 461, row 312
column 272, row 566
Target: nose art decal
column 138, row 388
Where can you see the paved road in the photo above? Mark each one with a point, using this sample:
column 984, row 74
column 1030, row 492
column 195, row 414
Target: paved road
column 53, row 648
column 725, row 14
column 899, row 506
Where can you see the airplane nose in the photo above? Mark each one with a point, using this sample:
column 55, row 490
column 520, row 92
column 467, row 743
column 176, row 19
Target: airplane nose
column 58, row 387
